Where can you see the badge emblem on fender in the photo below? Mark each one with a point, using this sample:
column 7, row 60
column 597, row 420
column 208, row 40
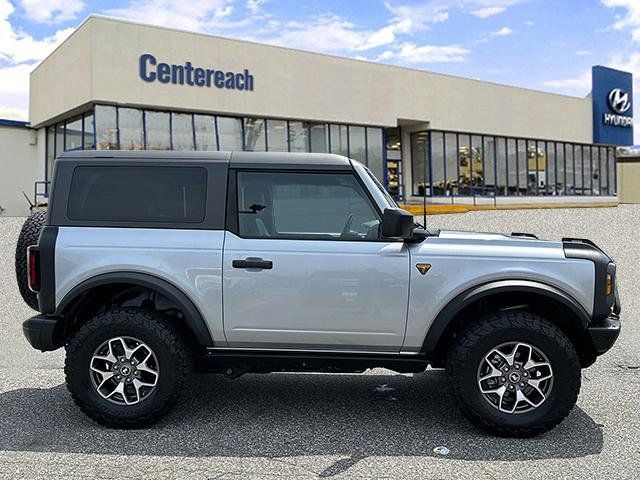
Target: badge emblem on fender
column 423, row 267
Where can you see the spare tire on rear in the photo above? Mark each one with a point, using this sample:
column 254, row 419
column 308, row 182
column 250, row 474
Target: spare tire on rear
column 29, row 235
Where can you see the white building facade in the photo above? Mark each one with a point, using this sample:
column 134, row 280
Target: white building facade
column 120, row 85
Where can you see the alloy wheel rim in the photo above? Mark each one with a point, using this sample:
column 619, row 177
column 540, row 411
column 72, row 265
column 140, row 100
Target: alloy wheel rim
column 124, row 370
column 515, row 377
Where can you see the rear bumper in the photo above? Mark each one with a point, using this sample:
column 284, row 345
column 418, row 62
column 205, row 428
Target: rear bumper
column 605, row 334
column 43, row 332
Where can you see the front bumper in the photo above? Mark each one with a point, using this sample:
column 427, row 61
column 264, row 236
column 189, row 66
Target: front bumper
column 43, row 332
column 605, row 333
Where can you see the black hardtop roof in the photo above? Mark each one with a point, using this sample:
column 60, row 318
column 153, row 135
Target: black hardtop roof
column 234, row 159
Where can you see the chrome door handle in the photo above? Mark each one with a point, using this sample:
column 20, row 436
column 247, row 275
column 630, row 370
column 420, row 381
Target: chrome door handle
column 253, row 262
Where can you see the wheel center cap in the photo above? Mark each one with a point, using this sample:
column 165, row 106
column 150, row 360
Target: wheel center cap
column 514, row 377
column 125, row 370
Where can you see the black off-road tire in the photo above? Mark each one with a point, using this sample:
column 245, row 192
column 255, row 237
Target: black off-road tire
column 29, row 235
column 478, row 339
column 175, row 364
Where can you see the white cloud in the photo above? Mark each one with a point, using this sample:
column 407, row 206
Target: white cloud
column 529, row 23
column 578, row 86
column 488, row 11
column 14, row 91
column 583, row 53
column 19, row 53
column 410, row 53
column 52, row 11
column 631, row 18
column 503, row 32
column 254, row 6
column 12, row 113
column 17, row 46
column 196, row 15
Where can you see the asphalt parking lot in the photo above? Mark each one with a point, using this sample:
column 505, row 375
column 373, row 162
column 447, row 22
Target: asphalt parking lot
column 377, row 425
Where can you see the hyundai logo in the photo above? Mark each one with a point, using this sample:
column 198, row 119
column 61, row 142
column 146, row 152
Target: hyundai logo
column 619, row 100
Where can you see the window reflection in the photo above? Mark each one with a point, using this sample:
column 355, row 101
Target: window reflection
column 374, row 152
column 205, row 132
column 420, row 173
column 157, row 130
column 319, row 137
column 298, row 137
column 89, row 138
column 255, row 135
column 277, row 136
column 229, row 133
column 357, row 148
column 73, row 135
column 106, row 127
column 182, row 131
column 339, row 140
column 130, row 128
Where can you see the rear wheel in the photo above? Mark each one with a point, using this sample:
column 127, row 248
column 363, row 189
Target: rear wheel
column 29, row 235
column 127, row 367
column 514, row 374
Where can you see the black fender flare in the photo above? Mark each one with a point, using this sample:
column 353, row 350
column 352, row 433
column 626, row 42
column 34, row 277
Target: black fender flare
column 193, row 317
column 447, row 315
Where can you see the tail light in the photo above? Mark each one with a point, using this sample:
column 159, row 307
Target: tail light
column 33, row 268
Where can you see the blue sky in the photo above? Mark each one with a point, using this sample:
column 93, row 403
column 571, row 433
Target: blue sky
column 541, row 44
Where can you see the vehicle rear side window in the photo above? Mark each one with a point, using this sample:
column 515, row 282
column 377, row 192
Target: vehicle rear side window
column 138, row 194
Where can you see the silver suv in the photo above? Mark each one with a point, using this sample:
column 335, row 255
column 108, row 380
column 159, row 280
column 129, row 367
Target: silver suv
column 153, row 265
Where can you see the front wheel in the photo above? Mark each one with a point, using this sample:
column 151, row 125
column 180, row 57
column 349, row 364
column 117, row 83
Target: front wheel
column 514, row 374
column 125, row 368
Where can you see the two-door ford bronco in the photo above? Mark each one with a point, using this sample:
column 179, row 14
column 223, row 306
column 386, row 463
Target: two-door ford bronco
column 152, row 265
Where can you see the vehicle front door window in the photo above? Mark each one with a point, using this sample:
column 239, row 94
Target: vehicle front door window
column 314, row 206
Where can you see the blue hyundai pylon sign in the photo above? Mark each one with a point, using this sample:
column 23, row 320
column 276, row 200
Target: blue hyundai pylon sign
column 612, row 97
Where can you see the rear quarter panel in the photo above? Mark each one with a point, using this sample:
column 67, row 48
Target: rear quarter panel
column 191, row 260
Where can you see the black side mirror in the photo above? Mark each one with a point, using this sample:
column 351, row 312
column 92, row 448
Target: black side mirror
column 397, row 223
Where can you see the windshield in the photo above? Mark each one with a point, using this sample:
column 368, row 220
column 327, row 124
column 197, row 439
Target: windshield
column 388, row 197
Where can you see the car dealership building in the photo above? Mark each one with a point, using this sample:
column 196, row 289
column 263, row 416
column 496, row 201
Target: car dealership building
column 115, row 84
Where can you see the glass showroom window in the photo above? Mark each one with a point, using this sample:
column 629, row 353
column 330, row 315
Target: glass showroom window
column 357, row 144
column 298, row 137
column 89, row 136
column 339, row 139
column 51, row 151
column 229, row 133
column 255, row 136
column 465, row 160
column 501, row 166
column 157, row 130
column 59, row 138
column 319, row 137
column 451, row 165
column 419, row 167
column 560, row 169
column 578, row 162
column 375, row 154
column 612, row 182
column 205, row 132
column 439, row 188
column 73, row 135
column 550, row 187
column 106, row 128
column 182, row 132
column 489, row 151
column 569, row 169
column 477, row 166
column 130, row 128
column 277, row 140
